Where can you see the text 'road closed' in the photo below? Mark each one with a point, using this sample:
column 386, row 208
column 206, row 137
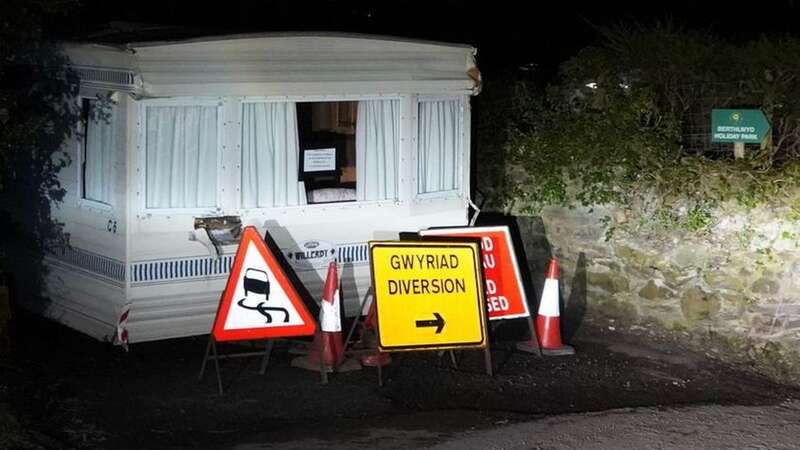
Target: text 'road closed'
column 429, row 295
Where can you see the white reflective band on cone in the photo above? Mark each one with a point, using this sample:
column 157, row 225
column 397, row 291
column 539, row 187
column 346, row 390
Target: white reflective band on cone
column 549, row 304
column 329, row 315
column 367, row 305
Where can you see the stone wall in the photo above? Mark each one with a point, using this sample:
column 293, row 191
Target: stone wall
column 731, row 289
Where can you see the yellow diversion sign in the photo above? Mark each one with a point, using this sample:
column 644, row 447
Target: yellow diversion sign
column 428, row 295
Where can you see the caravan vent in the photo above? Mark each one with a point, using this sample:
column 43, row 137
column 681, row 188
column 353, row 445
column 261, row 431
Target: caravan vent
column 120, row 78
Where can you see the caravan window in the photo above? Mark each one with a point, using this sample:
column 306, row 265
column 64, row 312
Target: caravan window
column 270, row 155
column 181, row 156
column 97, row 153
column 296, row 153
column 439, row 143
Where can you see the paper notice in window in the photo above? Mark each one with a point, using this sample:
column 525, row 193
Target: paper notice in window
column 319, row 160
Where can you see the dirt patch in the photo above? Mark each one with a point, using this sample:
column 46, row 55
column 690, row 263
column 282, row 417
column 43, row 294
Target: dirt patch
column 76, row 392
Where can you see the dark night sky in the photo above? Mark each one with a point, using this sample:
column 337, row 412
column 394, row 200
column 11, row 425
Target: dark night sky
column 507, row 33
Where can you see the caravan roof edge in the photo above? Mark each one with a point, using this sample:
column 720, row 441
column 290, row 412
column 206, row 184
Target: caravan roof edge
column 229, row 37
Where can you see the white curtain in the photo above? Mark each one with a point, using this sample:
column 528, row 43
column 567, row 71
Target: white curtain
column 377, row 149
column 270, row 153
column 438, row 146
column 182, row 149
column 99, row 156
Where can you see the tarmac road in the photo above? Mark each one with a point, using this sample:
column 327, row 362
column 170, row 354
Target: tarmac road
column 711, row 426
column 695, row 427
column 626, row 387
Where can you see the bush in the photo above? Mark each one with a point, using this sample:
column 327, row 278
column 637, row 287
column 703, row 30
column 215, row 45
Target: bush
column 622, row 121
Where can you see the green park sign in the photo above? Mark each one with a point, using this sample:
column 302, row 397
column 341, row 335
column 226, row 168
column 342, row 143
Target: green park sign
column 738, row 125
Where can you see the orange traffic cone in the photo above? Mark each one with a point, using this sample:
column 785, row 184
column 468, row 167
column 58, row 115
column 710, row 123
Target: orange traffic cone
column 369, row 337
column 327, row 347
column 548, row 320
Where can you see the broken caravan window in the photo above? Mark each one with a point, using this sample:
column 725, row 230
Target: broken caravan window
column 327, row 135
column 296, row 153
column 97, row 151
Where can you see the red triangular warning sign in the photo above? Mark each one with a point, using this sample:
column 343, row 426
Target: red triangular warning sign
column 259, row 301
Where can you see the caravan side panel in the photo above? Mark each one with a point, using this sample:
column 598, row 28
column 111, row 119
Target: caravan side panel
column 85, row 283
column 176, row 285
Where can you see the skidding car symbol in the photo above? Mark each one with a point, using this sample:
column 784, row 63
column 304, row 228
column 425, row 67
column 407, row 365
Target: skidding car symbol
column 257, row 282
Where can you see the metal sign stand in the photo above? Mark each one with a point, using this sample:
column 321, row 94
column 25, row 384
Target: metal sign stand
column 532, row 346
column 358, row 320
column 212, row 354
column 487, row 359
column 452, row 357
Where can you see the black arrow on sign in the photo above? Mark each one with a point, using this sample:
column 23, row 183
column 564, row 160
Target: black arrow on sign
column 438, row 323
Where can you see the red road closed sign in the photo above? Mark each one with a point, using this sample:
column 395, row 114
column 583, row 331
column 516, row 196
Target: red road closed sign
column 505, row 296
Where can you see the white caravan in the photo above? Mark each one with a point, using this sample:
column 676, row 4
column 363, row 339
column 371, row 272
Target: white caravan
column 325, row 140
